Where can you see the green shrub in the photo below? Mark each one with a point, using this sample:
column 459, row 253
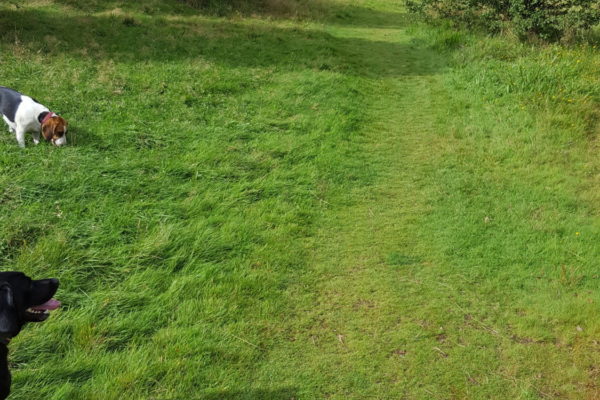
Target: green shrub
column 549, row 20
column 554, row 19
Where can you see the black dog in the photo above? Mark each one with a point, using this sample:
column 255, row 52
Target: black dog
column 22, row 300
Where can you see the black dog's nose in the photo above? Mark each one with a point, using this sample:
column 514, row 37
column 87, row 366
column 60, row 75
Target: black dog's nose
column 54, row 281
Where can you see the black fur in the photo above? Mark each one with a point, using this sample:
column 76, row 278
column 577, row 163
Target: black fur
column 17, row 293
column 9, row 102
column 42, row 116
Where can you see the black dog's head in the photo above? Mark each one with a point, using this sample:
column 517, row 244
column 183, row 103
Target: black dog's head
column 24, row 300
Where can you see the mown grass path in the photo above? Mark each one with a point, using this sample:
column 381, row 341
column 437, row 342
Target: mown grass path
column 369, row 318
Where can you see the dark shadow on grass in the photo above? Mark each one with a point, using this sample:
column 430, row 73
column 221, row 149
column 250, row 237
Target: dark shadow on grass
column 318, row 11
column 81, row 136
column 351, row 15
column 223, row 42
column 255, row 394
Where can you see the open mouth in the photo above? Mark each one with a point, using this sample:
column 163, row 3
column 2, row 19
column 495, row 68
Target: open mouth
column 41, row 312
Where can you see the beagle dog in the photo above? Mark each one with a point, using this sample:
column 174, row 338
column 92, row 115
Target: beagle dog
column 24, row 114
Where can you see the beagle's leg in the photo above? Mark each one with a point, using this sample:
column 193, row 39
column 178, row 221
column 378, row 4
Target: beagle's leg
column 20, row 137
column 36, row 137
column 10, row 125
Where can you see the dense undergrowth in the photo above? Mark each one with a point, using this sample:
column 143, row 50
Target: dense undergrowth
column 548, row 20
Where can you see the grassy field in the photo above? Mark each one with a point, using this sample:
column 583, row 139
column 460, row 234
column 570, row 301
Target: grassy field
column 327, row 202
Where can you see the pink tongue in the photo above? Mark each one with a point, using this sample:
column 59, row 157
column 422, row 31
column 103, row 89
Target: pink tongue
column 51, row 304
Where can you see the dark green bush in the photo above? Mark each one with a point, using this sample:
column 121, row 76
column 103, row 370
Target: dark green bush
column 549, row 20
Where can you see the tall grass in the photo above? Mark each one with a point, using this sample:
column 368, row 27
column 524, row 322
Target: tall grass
column 203, row 150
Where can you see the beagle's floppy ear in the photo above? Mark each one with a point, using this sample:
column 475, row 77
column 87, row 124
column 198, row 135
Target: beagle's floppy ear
column 47, row 131
column 48, row 128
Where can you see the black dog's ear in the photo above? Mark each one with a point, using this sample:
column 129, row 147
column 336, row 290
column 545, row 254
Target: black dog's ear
column 8, row 312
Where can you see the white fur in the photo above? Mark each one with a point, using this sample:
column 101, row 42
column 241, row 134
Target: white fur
column 60, row 141
column 11, row 126
column 26, row 120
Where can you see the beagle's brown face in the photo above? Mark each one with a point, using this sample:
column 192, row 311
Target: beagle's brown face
column 55, row 130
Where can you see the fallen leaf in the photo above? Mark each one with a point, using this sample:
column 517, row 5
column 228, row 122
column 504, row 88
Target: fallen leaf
column 399, row 352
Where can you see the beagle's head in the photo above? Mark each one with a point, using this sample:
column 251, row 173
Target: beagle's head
column 54, row 130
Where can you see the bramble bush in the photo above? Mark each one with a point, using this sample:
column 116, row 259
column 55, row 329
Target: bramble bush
column 550, row 20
